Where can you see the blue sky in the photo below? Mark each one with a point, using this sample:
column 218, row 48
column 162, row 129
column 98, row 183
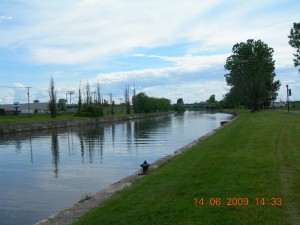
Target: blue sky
column 173, row 49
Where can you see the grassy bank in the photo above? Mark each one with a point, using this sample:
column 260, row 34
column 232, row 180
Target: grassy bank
column 32, row 118
column 255, row 158
column 120, row 110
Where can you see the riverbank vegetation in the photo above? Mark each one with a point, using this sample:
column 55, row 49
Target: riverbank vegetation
column 141, row 103
column 246, row 173
column 90, row 106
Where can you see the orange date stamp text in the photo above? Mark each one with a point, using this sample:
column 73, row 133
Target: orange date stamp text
column 238, row 201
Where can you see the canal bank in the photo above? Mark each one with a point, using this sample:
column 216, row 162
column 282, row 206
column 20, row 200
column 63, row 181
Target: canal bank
column 7, row 128
column 71, row 214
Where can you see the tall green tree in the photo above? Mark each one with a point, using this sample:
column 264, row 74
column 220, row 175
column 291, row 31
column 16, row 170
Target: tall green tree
column 52, row 102
column 127, row 99
column 212, row 99
column 62, row 104
column 251, row 73
column 295, row 42
column 79, row 105
column 179, row 106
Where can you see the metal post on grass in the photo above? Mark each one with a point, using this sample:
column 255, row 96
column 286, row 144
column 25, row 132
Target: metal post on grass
column 287, row 97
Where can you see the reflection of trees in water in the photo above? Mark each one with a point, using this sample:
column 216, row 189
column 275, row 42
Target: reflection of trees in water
column 90, row 138
column 129, row 135
column 113, row 133
column 143, row 128
column 17, row 139
column 31, row 151
column 18, row 144
column 55, row 151
column 70, row 142
column 90, row 141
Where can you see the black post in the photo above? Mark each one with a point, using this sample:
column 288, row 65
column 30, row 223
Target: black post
column 287, row 97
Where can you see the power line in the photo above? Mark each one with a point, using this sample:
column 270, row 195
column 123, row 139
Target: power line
column 70, row 93
column 28, row 99
column 13, row 87
column 28, row 95
column 110, row 97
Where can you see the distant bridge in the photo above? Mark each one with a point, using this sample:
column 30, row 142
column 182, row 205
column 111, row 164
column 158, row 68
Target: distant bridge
column 198, row 106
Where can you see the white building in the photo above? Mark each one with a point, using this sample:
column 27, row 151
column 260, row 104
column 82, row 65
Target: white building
column 23, row 107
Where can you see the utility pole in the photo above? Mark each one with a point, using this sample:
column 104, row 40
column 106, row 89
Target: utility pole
column 110, row 97
column 287, row 97
column 94, row 92
column 111, row 104
column 70, row 93
column 28, row 97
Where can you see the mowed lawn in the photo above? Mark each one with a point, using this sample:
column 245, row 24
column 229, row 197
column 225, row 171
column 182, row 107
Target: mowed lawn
column 246, row 173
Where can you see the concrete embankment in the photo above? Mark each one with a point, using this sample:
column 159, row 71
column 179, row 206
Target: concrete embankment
column 54, row 124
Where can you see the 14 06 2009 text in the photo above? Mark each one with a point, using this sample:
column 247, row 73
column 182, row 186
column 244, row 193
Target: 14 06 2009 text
column 241, row 201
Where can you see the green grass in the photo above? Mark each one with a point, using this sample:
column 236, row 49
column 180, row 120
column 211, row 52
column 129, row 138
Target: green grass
column 256, row 156
column 25, row 118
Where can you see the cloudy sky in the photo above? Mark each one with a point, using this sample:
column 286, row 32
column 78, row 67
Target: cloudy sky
column 165, row 48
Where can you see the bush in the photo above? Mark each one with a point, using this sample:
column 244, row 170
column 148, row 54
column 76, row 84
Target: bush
column 91, row 110
column 2, row 112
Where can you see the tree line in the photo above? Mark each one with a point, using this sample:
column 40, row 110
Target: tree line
column 93, row 106
column 142, row 103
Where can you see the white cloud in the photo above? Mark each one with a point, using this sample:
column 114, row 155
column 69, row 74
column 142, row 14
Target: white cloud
column 19, row 85
column 195, row 63
column 183, row 66
column 3, row 18
column 94, row 30
column 7, row 96
column 81, row 32
column 145, row 74
column 138, row 55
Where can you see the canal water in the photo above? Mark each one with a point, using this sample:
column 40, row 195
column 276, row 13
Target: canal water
column 44, row 172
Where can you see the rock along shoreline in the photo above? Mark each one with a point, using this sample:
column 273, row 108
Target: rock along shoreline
column 73, row 213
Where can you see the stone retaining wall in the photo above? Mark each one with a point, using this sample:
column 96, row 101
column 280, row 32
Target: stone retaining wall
column 42, row 125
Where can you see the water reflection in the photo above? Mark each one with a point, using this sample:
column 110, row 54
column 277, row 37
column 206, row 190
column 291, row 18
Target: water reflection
column 129, row 136
column 53, row 169
column 55, row 151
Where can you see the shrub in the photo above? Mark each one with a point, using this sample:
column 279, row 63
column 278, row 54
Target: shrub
column 2, row 112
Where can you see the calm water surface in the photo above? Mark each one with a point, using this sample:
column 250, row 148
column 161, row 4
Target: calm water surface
column 46, row 171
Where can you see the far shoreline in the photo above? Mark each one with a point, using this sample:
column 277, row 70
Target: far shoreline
column 10, row 128
column 16, row 127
